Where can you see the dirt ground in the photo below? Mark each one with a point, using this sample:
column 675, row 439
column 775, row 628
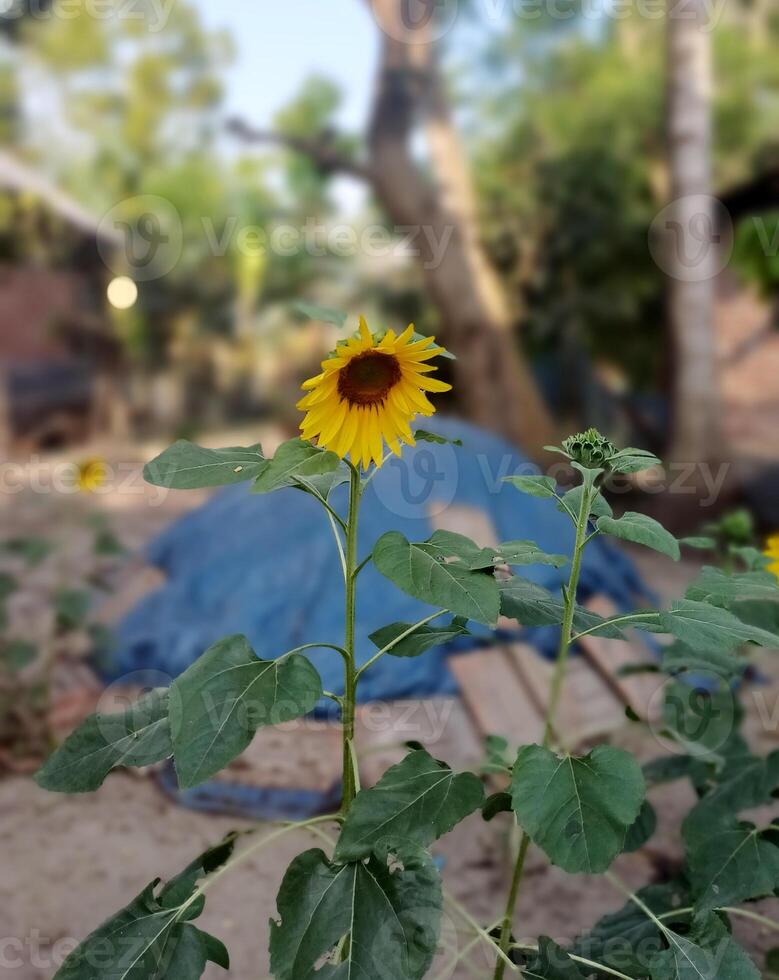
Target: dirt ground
column 68, row 862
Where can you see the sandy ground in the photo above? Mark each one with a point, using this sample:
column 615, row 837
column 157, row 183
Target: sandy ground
column 68, row 862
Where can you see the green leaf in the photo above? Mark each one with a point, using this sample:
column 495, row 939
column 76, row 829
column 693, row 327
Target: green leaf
column 667, row 769
column 325, row 314
column 416, row 801
column 392, row 918
column 422, row 435
column 642, row 829
column 714, row 586
column 526, row 553
column 700, row 719
column 599, row 506
column 418, row 642
column 32, row 549
column 679, row 658
column 529, row 604
column 551, row 962
column 730, row 863
column 699, row 543
column 533, row 605
column 417, row 570
column 71, row 607
column 705, row 627
column 152, row 938
column 627, row 939
column 632, row 461
column 17, row 654
column 578, row 810
column 450, row 546
column 323, row 484
column 495, row 804
column 8, row 585
column 187, row 466
column 139, row 736
column 219, row 702
column 745, row 783
column 294, row 462
column 496, row 749
column 641, row 529
column 535, row 485
column 708, row 953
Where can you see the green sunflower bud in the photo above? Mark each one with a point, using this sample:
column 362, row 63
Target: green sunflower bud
column 589, row 448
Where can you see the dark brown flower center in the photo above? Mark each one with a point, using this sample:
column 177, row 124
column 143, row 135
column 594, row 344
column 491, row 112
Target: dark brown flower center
column 368, row 378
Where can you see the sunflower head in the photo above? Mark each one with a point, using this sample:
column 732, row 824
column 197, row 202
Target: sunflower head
column 772, row 554
column 369, row 392
column 91, row 474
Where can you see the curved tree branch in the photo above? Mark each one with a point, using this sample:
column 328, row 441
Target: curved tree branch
column 320, row 149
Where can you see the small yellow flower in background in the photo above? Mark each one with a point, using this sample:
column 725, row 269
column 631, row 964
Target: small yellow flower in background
column 369, row 392
column 772, row 552
column 92, row 474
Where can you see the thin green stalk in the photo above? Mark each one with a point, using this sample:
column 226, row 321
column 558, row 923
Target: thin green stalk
column 481, row 933
column 555, row 692
column 350, row 682
column 600, row 967
column 247, row 852
column 627, row 618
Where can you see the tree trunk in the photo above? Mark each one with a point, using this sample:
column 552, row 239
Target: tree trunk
column 692, row 246
column 495, row 383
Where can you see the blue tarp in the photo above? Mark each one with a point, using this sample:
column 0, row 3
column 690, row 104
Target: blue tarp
column 266, row 566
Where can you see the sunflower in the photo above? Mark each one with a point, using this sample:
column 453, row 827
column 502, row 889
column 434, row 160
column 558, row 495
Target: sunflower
column 91, row 474
column 368, row 393
column 772, row 552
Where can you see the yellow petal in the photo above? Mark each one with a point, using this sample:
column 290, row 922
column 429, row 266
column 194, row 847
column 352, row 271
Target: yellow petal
column 365, row 333
column 432, row 384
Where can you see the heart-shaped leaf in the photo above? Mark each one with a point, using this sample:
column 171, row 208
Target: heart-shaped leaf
column 187, row 466
column 641, row 529
column 578, row 810
column 219, row 702
column 390, row 916
column 418, row 570
column 138, row 736
column 416, row 801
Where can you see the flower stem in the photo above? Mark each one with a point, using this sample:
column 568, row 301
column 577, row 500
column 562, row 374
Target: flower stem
column 350, row 779
column 555, row 692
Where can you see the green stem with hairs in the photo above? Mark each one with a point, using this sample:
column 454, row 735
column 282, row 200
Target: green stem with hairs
column 350, row 778
column 555, row 692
